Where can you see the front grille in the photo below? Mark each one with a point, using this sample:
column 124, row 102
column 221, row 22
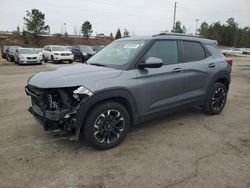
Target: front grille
column 31, row 58
column 65, row 54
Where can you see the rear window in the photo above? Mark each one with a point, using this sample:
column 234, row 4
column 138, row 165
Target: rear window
column 193, row 51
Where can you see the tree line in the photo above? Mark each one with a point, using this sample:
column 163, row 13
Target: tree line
column 35, row 24
column 228, row 34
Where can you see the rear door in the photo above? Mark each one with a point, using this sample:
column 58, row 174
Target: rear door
column 161, row 88
column 199, row 68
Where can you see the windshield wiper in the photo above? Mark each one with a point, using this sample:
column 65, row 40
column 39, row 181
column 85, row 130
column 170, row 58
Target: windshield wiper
column 97, row 64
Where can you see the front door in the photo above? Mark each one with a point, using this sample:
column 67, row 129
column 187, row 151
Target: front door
column 161, row 88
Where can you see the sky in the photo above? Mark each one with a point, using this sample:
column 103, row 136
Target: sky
column 139, row 17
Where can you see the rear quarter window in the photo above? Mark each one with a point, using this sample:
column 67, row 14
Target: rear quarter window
column 193, row 51
column 214, row 50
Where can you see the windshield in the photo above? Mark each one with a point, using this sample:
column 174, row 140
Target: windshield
column 13, row 48
column 117, row 53
column 27, row 51
column 38, row 50
column 86, row 49
column 59, row 48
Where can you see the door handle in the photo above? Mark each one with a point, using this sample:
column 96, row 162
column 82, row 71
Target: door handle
column 211, row 65
column 177, row 70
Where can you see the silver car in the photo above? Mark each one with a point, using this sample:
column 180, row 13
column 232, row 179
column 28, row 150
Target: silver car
column 130, row 81
column 27, row 56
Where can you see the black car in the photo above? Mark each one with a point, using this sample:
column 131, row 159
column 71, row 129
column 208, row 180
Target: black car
column 82, row 52
column 3, row 51
column 10, row 52
column 97, row 48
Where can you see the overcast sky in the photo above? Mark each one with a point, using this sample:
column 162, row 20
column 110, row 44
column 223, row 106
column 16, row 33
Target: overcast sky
column 142, row 17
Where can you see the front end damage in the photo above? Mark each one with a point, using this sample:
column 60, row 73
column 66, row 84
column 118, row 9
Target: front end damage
column 56, row 109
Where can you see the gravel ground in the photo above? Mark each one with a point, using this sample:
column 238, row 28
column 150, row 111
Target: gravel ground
column 185, row 149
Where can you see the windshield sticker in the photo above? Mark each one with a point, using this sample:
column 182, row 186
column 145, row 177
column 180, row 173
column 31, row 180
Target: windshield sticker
column 132, row 46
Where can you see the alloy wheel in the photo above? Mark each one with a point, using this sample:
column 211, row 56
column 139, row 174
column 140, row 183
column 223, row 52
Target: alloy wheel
column 108, row 126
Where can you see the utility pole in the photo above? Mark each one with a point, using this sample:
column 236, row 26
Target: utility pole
column 196, row 20
column 174, row 14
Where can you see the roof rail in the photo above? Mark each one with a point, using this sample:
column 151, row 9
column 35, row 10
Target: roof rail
column 177, row 34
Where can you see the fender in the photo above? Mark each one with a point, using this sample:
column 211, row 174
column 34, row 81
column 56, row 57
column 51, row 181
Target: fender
column 103, row 95
column 219, row 76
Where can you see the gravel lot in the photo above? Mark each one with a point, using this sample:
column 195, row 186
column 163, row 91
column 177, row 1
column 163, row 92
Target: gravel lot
column 185, row 149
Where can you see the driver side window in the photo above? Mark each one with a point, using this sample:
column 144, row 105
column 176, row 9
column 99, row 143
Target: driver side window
column 166, row 50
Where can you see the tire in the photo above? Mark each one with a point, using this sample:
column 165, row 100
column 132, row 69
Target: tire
column 71, row 61
column 105, row 136
column 53, row 60
column 8, row 59
column 44, row 58
column 216, row 99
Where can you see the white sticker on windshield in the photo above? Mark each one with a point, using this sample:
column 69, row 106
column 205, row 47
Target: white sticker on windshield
column 132, row 46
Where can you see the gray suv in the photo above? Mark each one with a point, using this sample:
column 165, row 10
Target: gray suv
column 129, row 81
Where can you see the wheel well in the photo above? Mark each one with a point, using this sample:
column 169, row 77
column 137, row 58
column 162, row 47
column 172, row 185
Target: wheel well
column 120, row 100
column 224, row 81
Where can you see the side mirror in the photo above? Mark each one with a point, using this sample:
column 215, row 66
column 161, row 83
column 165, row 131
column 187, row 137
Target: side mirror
column 151, row 62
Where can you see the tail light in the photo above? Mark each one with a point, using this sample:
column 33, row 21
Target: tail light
column 229, row 62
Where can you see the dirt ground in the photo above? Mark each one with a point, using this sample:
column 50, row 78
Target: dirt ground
column 185, row 149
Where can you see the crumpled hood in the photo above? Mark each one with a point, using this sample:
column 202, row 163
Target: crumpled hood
column 74, row 75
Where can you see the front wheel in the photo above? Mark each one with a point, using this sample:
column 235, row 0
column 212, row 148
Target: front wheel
column 107, row 125
column 216, row 99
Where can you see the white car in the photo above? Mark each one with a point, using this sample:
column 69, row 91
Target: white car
column 232, row 51
column 27, row 56
column 245, row 51
column 39, row 51
column 57, row 53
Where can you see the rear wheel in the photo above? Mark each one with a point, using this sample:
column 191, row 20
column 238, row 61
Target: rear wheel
column 216, row 99
column 107, row 125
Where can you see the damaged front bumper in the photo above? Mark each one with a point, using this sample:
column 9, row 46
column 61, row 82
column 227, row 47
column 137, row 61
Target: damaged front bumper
column 59, row 121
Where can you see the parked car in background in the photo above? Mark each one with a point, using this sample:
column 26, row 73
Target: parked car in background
column 82, row 52
column 130, row 81
column 10, row 52
column 97, row 48
column 39, row 51
column 3, row 51
column 68, row 47
column 232, row 51
column 245, row 51
column 56, row 53
column 27, row 56
column 100, row 36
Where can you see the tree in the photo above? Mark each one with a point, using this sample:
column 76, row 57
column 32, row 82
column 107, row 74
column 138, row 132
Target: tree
column 178, row 28
column 125, row 33
column 87, row 29
column 111, row 36
column 204, row 29
column 35, row 23
column 118, row 34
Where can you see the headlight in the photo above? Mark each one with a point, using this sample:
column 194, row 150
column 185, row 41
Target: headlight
column 80, row 91
column 22, row 57
column 56, row 53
